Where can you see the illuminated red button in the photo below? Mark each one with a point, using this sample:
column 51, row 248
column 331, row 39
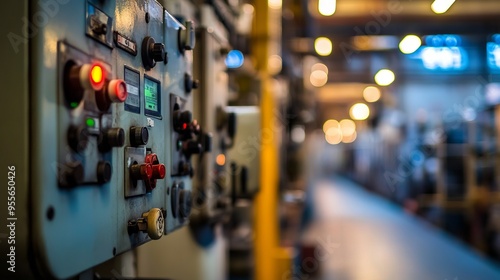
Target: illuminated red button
column 117, row 91
column 159, row 171
column 92, row 76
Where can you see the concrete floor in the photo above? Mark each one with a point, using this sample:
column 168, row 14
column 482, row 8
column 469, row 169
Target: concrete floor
column 359, row 236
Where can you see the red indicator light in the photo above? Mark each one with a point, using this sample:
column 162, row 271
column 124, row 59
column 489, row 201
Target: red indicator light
column 184, row 126
column 97, row 76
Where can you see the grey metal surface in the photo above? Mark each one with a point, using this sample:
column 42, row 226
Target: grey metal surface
column 362, row 237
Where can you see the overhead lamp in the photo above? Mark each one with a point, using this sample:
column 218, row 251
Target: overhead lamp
column 359, row 111
column 371, row 94
column 329, row 124
column 318, row 78
column 323, row 46
column 384, row 77
column 441, row 6
column 327, row 7
column 410, row 44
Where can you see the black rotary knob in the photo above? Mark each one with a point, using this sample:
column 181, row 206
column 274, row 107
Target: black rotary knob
column 152, row 52
column 115, row 137
column 139, row 135
column 103, row 172
column 158, row 52
column 78, row 138
column 111, row 137
column 185, row 203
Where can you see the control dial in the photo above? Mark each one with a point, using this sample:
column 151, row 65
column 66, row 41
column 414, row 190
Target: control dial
column 152, row 52
column 111, row 137
column 139, row 135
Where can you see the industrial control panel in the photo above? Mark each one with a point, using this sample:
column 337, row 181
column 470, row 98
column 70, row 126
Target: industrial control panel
column 111, row 131
column 212, row 180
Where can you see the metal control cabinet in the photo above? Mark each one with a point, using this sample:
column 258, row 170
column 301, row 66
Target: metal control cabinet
column 102, row 125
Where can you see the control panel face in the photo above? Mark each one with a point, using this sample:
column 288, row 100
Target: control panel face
column 114, row 135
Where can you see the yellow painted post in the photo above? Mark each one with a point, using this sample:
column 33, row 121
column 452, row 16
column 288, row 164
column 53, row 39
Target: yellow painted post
column 270, row 262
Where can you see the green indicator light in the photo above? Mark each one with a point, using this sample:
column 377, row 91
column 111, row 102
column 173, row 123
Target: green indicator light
column 73, row 104
column 90, row 122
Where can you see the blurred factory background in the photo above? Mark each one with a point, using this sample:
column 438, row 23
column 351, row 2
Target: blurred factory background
column 352, row 140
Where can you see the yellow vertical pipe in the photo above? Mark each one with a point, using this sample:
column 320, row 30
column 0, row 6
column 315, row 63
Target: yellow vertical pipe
column 266, row 241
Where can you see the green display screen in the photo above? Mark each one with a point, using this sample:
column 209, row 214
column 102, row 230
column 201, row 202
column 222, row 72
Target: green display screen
column 151, row 95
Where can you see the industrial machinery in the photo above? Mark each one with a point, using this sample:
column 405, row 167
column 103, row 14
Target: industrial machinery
column 109, row 132
column 199, row 252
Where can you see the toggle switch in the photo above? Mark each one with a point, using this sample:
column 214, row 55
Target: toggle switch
column 142, row 171
column 97, row 26
column 139, row 135
column 187, row 37
column 151, row 222
column 152, row 52
column 190, row 83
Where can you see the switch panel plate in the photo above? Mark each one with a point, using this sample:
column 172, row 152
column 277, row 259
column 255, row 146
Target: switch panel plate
column 134, row 156
column 99, row 25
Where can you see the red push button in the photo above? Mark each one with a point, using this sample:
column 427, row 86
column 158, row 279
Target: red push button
column 117, row 91
column 159, row 171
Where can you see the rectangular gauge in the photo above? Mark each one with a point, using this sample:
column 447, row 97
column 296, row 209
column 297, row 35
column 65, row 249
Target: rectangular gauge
column 132, row 80
column 152, row 97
